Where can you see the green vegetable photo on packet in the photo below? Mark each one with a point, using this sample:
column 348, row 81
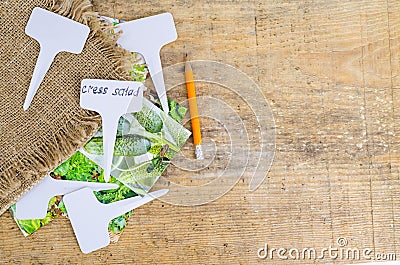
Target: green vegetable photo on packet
column 143, row 149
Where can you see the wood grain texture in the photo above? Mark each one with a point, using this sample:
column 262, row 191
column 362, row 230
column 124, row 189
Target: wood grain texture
column 330, row 71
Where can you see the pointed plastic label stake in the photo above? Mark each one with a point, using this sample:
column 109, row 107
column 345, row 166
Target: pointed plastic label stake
column 33, row 205
column 55, row 34
column 111, row 99
column 90, row 218
column 147, row 36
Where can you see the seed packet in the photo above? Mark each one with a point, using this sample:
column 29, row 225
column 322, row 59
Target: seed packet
column 146, row 143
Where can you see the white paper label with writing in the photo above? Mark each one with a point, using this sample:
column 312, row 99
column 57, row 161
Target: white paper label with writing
column 111, row 99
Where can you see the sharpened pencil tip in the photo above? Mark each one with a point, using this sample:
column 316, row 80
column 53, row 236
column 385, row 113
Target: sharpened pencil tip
column 187, row 56
column 186, row 61
column 188, row 67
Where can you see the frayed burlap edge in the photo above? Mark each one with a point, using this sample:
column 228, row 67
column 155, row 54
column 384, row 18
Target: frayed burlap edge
column 10, row 181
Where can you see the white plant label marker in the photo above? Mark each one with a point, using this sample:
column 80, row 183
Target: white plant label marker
column 147, row 36
column 90, row 218
column 33, row 205
column 55, row 34
column 111, row 99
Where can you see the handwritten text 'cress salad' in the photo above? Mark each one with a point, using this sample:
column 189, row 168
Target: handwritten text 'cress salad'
column 122, row 92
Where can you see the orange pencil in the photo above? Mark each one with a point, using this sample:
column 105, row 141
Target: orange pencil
column 194, row 113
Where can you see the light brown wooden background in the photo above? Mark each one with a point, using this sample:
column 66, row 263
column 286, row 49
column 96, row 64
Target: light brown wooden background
column 330, row 72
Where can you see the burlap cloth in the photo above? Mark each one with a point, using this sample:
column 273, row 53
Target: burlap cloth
column 34, row 142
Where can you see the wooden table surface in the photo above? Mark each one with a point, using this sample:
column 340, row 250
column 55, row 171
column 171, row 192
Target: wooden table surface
column 330, row 73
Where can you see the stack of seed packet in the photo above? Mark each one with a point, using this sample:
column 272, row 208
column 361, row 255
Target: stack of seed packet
column 146, row 143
